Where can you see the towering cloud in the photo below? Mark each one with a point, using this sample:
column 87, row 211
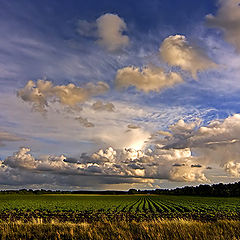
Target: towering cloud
column 188, row 173
column 21, row 159
column 217, row 143
column 177, row 51
column 43, row 92
column 108, row 28
column 227, row 19
column 147, row 79
column 24, row 160
column 233, row 168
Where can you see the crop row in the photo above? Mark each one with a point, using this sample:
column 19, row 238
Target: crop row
column 115, row 204
column 137, row 207
column 156, row 205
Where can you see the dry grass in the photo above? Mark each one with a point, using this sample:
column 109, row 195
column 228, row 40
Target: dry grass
column 156, row 229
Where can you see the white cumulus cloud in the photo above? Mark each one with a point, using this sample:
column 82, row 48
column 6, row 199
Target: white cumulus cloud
column 228, row 20
column 108, row 29
column 177, row 51
column 120, row 166
column 217, row 143
column 41, row 93
column 146, row 79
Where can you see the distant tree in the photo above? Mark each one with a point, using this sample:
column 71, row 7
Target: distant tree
column 132, row 191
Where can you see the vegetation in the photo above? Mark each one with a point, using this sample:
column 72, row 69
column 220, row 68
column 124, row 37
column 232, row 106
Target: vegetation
column 169, row 214
column 215, row 190
column 79, row 208
column 154, row 229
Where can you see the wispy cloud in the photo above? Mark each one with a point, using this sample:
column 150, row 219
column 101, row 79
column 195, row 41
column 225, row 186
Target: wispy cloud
column 8, row 137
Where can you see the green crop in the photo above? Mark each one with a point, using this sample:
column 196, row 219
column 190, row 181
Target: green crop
column 73, row 207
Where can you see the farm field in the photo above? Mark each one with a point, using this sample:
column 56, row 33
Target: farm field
column 78, row 208
column 72, row 216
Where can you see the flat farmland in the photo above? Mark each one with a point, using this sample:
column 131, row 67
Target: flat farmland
column 77, row 208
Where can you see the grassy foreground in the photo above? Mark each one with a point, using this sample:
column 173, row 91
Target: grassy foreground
column 155, row 229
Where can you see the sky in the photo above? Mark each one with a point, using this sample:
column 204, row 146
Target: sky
column 119, row 94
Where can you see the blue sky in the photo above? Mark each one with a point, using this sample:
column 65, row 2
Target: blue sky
column 152, row 83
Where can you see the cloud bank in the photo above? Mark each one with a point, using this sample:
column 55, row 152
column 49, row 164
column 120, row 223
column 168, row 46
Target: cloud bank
column 120, row 166
column 186, row 154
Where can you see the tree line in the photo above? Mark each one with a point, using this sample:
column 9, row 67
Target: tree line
column 215, row 190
